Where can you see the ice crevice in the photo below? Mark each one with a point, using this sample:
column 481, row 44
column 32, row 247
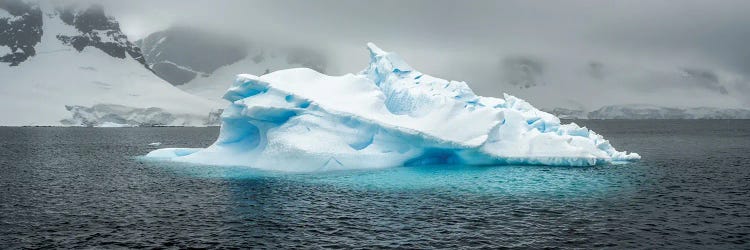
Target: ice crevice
column 387, row 115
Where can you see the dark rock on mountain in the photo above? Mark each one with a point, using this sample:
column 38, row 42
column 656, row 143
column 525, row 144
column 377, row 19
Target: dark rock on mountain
column 98, row 31
column 75, row 56
column 21, row 32
column 24, row 30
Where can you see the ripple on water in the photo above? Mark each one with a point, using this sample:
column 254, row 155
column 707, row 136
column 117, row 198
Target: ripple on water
column 450, row 179
column 81, row 188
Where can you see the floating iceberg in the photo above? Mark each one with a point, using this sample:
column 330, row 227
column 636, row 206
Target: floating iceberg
column 387, row 115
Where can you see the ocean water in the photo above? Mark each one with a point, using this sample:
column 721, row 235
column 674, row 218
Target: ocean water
column 87, row 188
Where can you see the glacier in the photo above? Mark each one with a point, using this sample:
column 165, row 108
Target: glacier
column 386, row 115
column 111, row 115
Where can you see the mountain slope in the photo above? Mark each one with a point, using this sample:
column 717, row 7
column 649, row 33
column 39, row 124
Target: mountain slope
column 205, row 63
column 180, row 54
column 81, row 59
column 657, row 112
column 644, row 111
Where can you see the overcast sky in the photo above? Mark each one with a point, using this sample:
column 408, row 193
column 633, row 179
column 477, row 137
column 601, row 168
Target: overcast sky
column 553, row 53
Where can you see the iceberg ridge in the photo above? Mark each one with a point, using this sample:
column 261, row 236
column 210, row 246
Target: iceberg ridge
column 387, row 115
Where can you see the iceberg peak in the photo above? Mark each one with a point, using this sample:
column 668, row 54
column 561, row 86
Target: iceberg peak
column 387, row 115
column 384, row 63
column 375, row 50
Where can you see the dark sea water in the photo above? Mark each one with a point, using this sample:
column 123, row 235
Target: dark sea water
column 87, row 188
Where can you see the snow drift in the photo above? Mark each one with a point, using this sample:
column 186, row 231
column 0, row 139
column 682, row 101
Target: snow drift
column 387, row 115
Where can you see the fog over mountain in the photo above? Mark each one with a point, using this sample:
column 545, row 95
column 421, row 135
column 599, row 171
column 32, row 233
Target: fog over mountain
column 575, row 54
column 204, row 63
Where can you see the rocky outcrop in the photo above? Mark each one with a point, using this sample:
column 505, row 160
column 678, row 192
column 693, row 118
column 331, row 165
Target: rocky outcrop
column 20, row 31
column 99, row 31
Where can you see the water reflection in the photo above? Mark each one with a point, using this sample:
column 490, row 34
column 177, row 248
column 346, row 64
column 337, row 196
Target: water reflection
column 448, row 179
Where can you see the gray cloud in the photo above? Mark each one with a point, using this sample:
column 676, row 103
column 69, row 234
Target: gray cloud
column 705, row 79
column 596, row 70
column 523, row 71
column 640, row 48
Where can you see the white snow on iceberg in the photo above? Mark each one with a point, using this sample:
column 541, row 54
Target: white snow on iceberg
column 387, row 115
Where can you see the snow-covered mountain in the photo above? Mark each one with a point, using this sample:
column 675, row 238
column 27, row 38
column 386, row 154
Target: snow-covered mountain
column 643, row 111
column 205, row 63
column 568, row 113
column 72, row 65
column 180, row 54
column 658, row 112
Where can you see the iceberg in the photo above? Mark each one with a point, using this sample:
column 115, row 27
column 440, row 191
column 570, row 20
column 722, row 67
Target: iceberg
column 387, row 115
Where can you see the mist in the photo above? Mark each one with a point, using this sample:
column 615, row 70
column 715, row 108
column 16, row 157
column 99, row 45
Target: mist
column 581, row 54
